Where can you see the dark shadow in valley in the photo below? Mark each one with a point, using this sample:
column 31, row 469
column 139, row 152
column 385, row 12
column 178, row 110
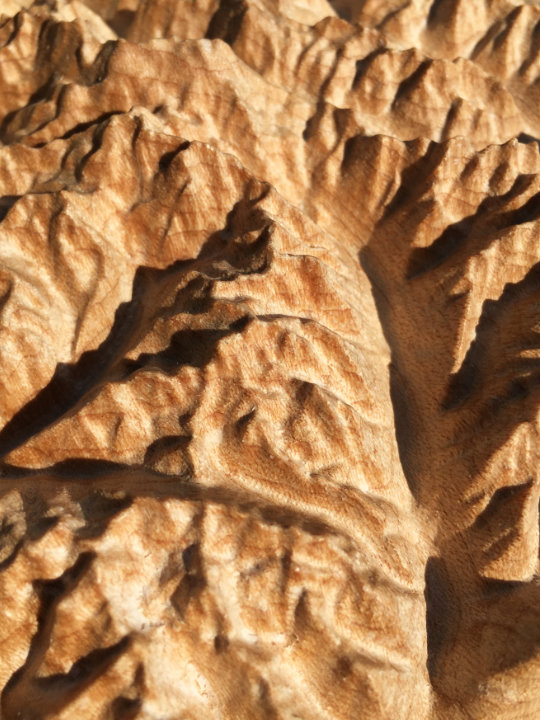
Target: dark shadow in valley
column 75, row 384
column 438, row 611
column 34, row 696
column 225, row 255
column 489, row 218
column 401, row 396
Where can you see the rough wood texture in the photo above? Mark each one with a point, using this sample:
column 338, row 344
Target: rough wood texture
column 269, row 351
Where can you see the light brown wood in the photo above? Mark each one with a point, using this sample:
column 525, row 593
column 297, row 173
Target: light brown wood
column 269, row 281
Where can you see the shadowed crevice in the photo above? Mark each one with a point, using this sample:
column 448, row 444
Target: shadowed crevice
column 451, row 115
column 17, row 21
column 507, row 24
column 121, row 22
column 487, row 220
column 41, row 527
column 127, row 706
column 532, row 55
column 416, row 180
column 124, row 708
column 268, row 708
column 438, row 12
column 73, row 385
column 493, row 589
column 165, row 445
column 139, row 481
column 391, row 15
column 404, row 427
column 438, row 610
column 192, row 583
column 33, row 696
column 363, row 65
column 511, row 319
column 45, row 91
column 498, row 504
column 167, row 158
column 98, row 510
column 6, row 203
column 24, row 693
column 225, row 255
column 193, row 348
column 401, row 396
column 82, row 672
column 409, row 84
column 226, row 23
column 99, row 69
column 58, row 44
column 484, row 41
column 312, row 123
column 10, row 559
column 82, row 126
column 526, row 139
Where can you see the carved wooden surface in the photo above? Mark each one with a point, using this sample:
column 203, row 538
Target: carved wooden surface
column 269, row 351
